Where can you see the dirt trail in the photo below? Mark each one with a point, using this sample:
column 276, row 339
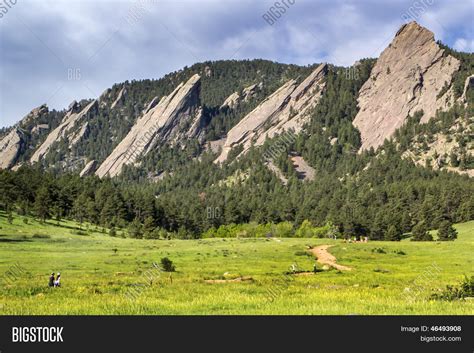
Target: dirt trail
column 326, row 258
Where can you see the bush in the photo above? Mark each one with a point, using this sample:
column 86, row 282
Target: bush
column 465, row 290
column 79, row 232
column 167, row 265
column 303, row 253
column 379, row 250
column 25, row 220
column 41, row 236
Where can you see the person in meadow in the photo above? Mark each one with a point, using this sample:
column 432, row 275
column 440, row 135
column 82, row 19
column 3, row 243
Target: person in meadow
column 51, row 280
column 57, row 283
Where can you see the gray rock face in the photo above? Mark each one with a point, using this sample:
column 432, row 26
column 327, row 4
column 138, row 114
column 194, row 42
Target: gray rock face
column 120, row 98
column 89, row 169
column 408, row 77
column 33, row 115
column 247, row 93
column 12, row 144
column 284, row 110
column 175, row 117
column 468, row 85
column 68, row 123
column 10, row 147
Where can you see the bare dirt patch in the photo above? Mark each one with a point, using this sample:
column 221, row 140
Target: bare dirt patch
column 324, row 257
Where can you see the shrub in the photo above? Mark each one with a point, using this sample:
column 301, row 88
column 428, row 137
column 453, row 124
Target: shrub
column 167, row 265
column 379, row 250
column 303, row 253
column 79, row 232
column 25, row 220
column 465, row 290
column 41, row 236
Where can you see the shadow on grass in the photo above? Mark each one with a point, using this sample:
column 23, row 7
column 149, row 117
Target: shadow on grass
column 14, row 240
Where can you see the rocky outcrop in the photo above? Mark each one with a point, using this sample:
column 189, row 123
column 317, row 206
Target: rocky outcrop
column 32, row 116
column 232, row 101
column 409, row 76
column 74, row 115
column 247, row 93
column 10, row 147
column 468, row 85
column 120, row 98
column 175, row 117
column 303, row 169
column 13, row 144
column 81, row 133
column 286, row 109
column 277, row 171
column 89, row 169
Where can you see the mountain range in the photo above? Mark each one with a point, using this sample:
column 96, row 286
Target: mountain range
column 375, row 149
column 230, row 106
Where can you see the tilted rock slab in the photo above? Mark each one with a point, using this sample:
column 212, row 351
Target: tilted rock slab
column 408, row 76
column 89, row 169
column 12, row 144
column 69, row 121
column 285, row 109
column 176, row 116
column 10, row 147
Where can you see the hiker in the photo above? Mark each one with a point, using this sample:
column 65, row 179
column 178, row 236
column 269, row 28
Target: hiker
column 51, row 280
column 57, row 283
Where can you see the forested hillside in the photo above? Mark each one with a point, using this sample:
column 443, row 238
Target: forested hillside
column 312, row 174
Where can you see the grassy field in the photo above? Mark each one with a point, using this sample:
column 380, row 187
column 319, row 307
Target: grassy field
column 99, row 272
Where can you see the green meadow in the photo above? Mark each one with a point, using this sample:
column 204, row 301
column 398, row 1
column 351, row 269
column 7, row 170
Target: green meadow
column 111, row 275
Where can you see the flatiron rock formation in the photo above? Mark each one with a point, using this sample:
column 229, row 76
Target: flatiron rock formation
column 176, row 115
column 408, row 77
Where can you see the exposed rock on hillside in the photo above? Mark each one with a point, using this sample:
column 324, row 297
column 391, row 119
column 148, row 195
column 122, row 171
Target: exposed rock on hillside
column 120, row 98
column 10, row 147
column 89, row 169
column 468, row 85
column 12, row 144
column 285, row 109
column 176, row 115
column 277, row 171
column 408, row 77
column 33, row 115
column 247, row 93
column 303, row 169
column 74, row 115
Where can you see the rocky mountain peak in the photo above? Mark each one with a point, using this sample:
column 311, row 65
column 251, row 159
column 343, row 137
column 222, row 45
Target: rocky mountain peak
column 175, row 117
column 409, row 76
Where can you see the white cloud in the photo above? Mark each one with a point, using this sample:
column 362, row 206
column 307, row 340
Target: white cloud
column 40, row 40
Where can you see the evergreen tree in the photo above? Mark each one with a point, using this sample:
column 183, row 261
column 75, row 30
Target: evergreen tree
column 393, row 234
column 135, row 229
column 420, row 232
column 42, row 204
column 446, row 231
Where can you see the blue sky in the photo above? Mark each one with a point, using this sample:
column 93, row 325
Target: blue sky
column 57, row 51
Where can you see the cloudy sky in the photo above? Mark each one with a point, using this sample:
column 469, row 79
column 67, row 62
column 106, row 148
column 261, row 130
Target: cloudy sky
column 56, row 51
